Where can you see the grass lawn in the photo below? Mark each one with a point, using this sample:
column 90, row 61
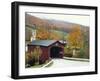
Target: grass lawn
column 41, row 65
column 38, row 65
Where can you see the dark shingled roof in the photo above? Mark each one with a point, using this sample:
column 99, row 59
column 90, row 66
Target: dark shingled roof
column 42, row 42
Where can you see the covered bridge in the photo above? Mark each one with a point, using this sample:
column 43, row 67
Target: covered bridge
column 50, row 48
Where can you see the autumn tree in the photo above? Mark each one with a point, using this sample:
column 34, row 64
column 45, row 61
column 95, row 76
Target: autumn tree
column 42, row 33
column 74, row 38
column 54, row 36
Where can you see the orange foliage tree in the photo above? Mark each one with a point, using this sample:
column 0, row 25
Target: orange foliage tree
column 74, row 38
column 42, row 33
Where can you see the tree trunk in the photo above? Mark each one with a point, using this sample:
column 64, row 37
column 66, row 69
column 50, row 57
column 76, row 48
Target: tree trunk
column 74, row 52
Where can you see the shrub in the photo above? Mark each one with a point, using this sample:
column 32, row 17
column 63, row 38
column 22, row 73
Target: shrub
column 32, row 58
column 36, row 54
column 41, row 61
column 84, row 53
column 29, row 60
column 67, row 51
column 81, row 53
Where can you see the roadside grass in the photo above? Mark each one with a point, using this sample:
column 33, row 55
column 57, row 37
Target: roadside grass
column 38, row 65
column 47, row 63
column 76, row 59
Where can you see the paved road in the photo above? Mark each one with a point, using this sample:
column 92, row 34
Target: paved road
column 68, row 63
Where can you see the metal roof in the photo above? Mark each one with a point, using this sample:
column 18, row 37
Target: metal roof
column 42, row 42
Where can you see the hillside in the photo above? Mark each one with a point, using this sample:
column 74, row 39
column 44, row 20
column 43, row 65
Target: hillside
column 59, row 27
column 33, row 21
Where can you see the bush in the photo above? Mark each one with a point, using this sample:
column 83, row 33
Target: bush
column 81, row 53
column 76, row 54
column 36, row 54
column 29, row 60
column 84, row 53
column 41, row 61
column 26, row 58
column 32, row 58
column 67, row 52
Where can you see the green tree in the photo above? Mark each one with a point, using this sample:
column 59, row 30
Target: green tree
column 85, row 47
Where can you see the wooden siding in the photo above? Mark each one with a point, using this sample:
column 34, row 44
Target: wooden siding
column 46, row 50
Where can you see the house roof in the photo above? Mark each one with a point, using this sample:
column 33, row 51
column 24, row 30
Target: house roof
column 42, row 42
column 63, row 42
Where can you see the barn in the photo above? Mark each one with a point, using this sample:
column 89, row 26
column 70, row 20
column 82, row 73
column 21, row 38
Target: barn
column 50, row 48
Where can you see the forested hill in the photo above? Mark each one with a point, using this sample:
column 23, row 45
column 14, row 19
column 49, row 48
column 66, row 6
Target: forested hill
column 51, row 23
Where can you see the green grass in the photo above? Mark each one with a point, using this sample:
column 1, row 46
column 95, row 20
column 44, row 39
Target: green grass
column 40, row 65
column 37, row 66
column 49, row 65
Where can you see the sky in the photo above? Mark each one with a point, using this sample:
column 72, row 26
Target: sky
column 73, row 18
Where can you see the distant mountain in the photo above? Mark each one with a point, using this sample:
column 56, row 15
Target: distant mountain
column 33, row 21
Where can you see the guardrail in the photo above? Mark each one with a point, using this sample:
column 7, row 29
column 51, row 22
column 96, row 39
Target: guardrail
column 76, row 59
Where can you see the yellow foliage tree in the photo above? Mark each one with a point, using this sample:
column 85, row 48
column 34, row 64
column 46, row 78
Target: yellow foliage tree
column 54, row 36
column 42, row 33
column 74, row 38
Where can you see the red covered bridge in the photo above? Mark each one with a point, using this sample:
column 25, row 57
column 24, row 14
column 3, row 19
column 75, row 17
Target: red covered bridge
column 50, row 48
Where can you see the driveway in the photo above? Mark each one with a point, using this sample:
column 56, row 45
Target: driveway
column 68, row 63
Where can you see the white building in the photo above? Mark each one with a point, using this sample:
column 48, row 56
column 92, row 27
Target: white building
column 33, row 37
